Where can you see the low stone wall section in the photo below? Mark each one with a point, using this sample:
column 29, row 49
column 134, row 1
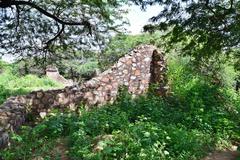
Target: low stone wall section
column 136, row 70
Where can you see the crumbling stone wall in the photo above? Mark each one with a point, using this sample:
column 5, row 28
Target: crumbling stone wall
column 14, row 111
column 134, row 70
column 142, row 66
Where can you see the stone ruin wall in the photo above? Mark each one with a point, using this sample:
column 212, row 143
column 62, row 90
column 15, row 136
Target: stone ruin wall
column 142, row 66
column 132, row 71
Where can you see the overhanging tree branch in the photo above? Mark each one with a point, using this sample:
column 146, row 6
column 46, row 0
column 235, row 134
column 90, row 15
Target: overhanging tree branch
column 9, row 3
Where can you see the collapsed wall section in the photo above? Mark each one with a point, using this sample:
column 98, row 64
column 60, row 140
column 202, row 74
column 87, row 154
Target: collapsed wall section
column 136, row 70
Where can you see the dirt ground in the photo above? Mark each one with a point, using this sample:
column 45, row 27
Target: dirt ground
column 231, row 154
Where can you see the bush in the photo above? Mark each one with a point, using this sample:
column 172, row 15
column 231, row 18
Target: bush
column 198, row 117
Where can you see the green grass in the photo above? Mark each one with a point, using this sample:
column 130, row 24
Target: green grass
column 11, row 84
column 144, row 128
column 198, row 117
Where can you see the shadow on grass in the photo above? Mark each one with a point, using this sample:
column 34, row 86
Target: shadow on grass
column 6, row 93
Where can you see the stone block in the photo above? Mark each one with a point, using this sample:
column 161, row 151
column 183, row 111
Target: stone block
column 137, row 72
column 39, row 94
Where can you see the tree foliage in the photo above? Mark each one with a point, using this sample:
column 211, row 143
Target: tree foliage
column 121, row 44
column 205, row 27
column 44, row 29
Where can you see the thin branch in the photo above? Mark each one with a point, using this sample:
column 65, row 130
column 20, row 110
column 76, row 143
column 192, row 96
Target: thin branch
column 208, row 7
column 55, row 37
column 231, row 4
column 17, row 17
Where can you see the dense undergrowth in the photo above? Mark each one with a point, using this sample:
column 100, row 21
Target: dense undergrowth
column 12, row 84
column 197, row 117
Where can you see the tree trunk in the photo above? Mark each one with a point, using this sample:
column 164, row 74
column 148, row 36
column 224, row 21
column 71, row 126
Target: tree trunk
column 237, row 85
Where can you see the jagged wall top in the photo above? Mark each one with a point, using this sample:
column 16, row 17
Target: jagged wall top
column 133, row 70
column 136, row 70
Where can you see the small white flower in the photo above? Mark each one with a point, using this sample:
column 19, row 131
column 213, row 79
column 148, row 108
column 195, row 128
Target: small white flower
column 166, row 152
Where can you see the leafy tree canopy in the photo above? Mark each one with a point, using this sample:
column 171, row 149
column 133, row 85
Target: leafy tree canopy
column 42, row 28
column 205, row 27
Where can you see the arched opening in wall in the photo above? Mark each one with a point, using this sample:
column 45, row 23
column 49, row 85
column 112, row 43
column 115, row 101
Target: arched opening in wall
column 158, row 79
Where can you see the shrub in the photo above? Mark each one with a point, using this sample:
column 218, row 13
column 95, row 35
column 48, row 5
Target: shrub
column 196, row 118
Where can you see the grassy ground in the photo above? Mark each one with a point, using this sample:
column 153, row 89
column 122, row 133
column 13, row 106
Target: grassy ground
column 197, row 117
column 145, row 128
column 12, row 84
